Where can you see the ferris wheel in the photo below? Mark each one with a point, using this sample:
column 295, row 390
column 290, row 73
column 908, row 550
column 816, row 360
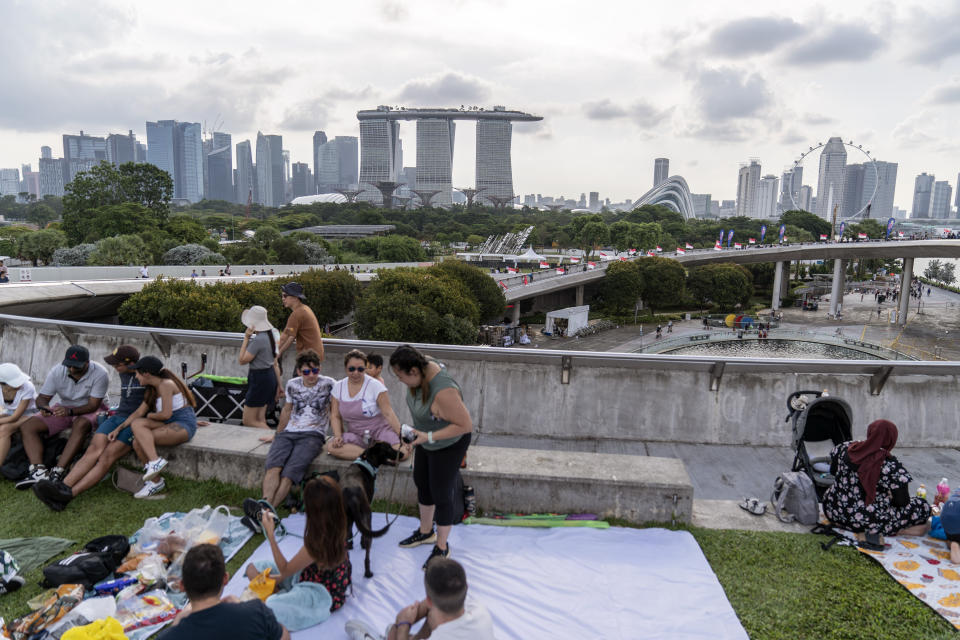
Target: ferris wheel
column 854, row 147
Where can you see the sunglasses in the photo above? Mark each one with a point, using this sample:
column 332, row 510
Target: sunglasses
column 306, row 370
column 352, row 369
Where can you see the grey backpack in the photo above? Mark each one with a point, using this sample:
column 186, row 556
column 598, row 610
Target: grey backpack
column 794, row 498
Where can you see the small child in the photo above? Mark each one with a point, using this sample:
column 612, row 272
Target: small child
column 375, row 366
column 950, row 519
column 19, row 408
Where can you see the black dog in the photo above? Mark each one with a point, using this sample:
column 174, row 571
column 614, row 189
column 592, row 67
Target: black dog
column 357, row 483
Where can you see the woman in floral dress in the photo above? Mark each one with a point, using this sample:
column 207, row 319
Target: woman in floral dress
column 871, row 492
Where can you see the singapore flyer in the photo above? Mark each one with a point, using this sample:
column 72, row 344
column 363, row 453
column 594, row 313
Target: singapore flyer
column 860, row 152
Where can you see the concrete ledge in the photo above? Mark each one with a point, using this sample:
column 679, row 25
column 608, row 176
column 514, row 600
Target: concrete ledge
column 634, row 488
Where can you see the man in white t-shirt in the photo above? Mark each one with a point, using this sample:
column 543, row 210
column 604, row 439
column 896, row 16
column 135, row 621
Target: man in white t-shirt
column 304, row 423
column 444, row 612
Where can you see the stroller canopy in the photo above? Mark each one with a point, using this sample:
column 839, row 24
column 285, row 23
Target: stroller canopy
column 824, row 418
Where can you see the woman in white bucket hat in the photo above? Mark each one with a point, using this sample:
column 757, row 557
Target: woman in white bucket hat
column 259, row 350
column 22, row 404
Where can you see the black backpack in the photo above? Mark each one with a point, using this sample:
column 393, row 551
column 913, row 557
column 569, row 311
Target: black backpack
column 16, row 466
column 96, row 561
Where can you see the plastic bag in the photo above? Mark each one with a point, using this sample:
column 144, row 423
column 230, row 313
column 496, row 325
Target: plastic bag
column 108, row 629
column 263, row 585
column 145, row 610
column 204, row 525
column 84, row 613
column 55, row 607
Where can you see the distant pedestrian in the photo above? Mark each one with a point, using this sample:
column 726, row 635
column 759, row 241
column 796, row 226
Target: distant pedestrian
column 878, row 312
column 670, row 326
column 193, row 274
column 143, row 272
column 659, row 331
column 928, row 292
column 203, row 273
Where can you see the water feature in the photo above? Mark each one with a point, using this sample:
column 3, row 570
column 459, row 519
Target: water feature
column 772, row 348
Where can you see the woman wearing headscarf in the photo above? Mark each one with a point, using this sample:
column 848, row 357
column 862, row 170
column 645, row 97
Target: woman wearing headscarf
column 871, row 494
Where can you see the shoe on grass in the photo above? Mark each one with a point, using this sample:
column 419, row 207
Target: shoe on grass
column 279, row 529
column 251, row 524
column 56, row 474
column 418, row 538
column 15, row 582
column 437, row 553
column 358, row 630
column 35, row 474
column 252, row 509
column 55, row 495
column 150, row 489
column 153, row 468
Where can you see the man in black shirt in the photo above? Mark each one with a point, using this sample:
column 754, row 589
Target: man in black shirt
column 209, row 617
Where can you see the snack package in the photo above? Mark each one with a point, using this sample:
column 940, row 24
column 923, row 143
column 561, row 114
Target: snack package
column 55, row 606
column 145, row 610
column 263, row 585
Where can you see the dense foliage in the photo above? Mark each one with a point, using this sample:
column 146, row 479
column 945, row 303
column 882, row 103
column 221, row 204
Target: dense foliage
column 484, row 289
column 726, row 285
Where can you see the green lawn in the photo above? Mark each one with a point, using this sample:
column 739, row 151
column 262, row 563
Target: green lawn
column 781, row 585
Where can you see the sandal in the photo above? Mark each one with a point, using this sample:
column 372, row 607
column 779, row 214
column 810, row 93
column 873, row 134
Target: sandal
column 753, row 506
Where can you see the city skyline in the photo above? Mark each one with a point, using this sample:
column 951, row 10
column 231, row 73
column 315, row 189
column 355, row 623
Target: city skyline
column 773, row 84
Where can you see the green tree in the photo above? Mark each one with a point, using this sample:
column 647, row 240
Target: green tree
column 396, row 248
column 663, row 281
column 39, row 246
column 186, row 230
column 105, row 185
column 622, row 286
column 809, row 222
column 120, row 251
column 265, row 236
column 414, row 305
column 873, row 228
column 157, row 243
column 485, row 290
column 288, row 251
column 725, row 284
column 41, row 214
column 593, row 234
column 10, row 239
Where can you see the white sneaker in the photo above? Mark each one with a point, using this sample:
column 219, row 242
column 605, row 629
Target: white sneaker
column 150, row 489
column 359, row 630
column 153, row 468
column 36, row 473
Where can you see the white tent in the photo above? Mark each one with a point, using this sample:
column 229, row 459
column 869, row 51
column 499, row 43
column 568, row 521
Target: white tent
column 576, row 318
column 529, row 255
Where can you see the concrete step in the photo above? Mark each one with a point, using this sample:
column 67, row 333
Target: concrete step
column 635, row 488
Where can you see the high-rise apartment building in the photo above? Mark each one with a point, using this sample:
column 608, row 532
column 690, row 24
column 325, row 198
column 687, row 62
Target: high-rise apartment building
column 790, row 185
column 9, row 182
column 747, row 182
column 51, row 174
column 767, row 192
column 435, row 138
column 661, row 170
column 922, row 192
column 833, row 165
column 218, row 165
column 940, row 201
column 302, row 179
column 46, row 152
column 245, row 183
column 81, row 153
column 379, row 146
column 270, row 170
column 121, row 148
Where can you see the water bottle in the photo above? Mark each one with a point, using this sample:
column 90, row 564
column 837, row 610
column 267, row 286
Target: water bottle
column 366, row 438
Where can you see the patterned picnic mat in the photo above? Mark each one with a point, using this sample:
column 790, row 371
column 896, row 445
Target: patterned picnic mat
column 922, row 565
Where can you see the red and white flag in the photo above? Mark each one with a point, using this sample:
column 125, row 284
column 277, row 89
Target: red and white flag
column 717, row 247
column 651, row 254
column 689, row 246
column 631, row 251
column 544, row 265
column 823, row 236
column 503, row 284
column 899, row 234
column 591, row 265
column 603, row 255
column 575, row 260
column 659, row 249
column 681, row 252
column 512, row 270
column 737, row 245
column 862, row 236
column 561, row 270
column 623, row 258
column 752, row 240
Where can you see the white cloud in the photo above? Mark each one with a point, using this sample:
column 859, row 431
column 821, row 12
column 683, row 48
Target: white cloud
column 753, row 35
column 445, row 89
column 837, row 43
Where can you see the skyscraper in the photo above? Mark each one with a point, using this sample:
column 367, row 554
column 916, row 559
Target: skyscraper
column 767, row 197
column 805, row 200
column 177, row 148
column 51, row 173
column 435, row 137
column 885, row 182
column 854, row 188
column 957, row 201
column 594, row 201
column 160, row 153
column 747, row 182
column 218, row 159
column 379, row 142
column 81, row 153
column 29, row 180
column 46, row 152
column 833, row 163
column 790, row 185
column 661, row 170
column 348, row 156
column 494, row 164
column 922, row 190
column 940, row 202
column 302, row 179
column 121, row 148
column 319, row 139
column 270, row 170
column 9, row 182
column 701, row 204
column 246, row 183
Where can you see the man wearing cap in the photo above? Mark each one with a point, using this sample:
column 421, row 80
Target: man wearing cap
column 100, row 455
column 302, row 324
column 81, row 386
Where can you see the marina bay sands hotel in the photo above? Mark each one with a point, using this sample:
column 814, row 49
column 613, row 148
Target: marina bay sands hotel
column 380, row 151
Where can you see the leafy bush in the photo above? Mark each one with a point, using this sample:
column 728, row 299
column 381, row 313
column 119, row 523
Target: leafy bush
column 485, row 290
column 73, row 256
column 119, row 251
column 190, row 254
column 417, row 306
column 182, row 304
column 314, row 253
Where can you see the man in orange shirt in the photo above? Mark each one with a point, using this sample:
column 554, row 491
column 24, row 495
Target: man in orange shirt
column 302, row 324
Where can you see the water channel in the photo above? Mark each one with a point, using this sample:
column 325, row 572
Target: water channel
column 772, row 348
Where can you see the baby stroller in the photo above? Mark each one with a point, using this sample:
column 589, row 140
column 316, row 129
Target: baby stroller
column 817, row 417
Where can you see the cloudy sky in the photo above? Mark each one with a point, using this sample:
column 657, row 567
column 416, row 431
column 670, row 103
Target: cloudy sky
column 706, row 84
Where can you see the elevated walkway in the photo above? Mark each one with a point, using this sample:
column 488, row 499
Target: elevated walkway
column 633, row 488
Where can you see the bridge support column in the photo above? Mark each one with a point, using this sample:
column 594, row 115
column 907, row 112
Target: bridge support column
column 906, row 280
column 579, row 302
column 839, row 286
column 515, row 321
column 777, row 285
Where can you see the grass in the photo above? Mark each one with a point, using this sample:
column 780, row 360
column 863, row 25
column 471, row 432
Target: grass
column 781, row 585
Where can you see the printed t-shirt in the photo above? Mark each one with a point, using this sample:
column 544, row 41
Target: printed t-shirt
column 76, row 393
column 310, row 406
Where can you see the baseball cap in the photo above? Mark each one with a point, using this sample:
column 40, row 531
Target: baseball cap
column 124, row 354
column 293, row 289
column 147, row 364
column 77, row 356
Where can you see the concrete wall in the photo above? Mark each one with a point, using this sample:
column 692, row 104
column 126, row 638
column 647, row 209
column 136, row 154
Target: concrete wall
column 619, row 397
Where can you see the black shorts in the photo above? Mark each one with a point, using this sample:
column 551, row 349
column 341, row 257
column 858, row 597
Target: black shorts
column 261, row 387
column 293, row 451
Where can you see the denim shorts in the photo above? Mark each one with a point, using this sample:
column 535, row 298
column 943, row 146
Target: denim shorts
column 112, row 422
column 186, row 417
